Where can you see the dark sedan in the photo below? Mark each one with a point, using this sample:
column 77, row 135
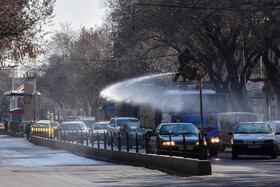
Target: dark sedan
column 130, row 129
column 171, row 137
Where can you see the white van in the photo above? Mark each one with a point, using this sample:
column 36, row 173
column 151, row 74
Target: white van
column 228, row 121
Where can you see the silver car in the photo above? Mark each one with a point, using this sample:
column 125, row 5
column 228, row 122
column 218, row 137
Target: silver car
column 254, row 138
column 98, row 130
column 72, row 130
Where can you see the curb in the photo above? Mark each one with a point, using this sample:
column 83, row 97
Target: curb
column 174, row 164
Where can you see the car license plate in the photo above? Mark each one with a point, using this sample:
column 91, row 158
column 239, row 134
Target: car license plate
column 188, row 148
column 254, row 146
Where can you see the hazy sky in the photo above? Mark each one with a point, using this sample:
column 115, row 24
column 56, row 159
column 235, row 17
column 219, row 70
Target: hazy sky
column 87, row 13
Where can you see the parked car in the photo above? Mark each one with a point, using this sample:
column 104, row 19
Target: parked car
column 176, row 143
column 54, row 124
column 42, row 128
column 115, row 124
column 88, row 120
column 253, row 138
column 2, row 127
column 70, row 118
column 72, row 130
column 276, row 128
column 129, row 129
column 228, row 121
column 99, row 128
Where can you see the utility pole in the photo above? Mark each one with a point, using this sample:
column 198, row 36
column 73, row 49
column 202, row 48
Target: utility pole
column 243, row 65
column 196, row 71
column 35, row 94
column 13, row 99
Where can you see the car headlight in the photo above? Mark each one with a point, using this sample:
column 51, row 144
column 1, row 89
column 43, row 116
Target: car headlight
column 168, row 143
column 238, row 142
column 197, row 143
column 215, row 140
column 268, row 141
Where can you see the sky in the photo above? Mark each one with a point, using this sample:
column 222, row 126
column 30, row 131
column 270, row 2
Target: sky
column 78, row 13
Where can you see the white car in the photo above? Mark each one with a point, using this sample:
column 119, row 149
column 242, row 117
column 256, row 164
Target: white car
column 276, row 128
column 254, row 138
column 99, row 128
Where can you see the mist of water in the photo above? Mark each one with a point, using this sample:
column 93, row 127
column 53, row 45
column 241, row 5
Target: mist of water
column 135, row 91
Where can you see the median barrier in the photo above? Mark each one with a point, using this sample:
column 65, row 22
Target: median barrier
column 162, row 162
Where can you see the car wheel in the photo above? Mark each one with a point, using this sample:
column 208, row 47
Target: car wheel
column 59, row 135
column 130, row 145
column 153, row 150
column 108, row 141
column 234, row 155
column 274, row 155
column 222, row 147
column 81, row 141
column 213, row 152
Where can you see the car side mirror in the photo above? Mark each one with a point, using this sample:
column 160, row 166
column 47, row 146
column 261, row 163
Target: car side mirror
column 230, row 133
column 277, row 133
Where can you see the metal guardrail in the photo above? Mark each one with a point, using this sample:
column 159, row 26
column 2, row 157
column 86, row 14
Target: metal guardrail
column 120, row 143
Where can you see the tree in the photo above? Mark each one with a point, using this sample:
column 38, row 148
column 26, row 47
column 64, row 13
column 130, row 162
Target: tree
column 215, row 32
column 21, row 21
column 79, row 67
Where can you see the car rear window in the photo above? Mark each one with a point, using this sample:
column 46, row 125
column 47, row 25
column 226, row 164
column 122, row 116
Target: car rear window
column 41, row 125
column 134, row 127
column 54, row 124
column 120, row 122
column 73, row 126
column 100, row 126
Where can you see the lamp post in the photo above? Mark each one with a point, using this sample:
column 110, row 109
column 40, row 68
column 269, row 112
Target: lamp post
column 195, row 71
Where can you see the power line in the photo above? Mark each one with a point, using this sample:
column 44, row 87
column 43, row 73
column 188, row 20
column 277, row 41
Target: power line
column 206, row 8
column 133, row 59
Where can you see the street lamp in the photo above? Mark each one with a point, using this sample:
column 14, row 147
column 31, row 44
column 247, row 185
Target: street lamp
column 196, row 71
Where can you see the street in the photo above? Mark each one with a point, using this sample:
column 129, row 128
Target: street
column 24, row 164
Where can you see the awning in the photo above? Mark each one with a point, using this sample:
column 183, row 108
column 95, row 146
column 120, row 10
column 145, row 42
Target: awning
column 20, row 93
column 16, row 111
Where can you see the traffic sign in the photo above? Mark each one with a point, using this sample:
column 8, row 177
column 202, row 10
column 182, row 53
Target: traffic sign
column 111, row 109
column 194, row 71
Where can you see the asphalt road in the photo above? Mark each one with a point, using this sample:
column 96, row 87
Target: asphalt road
column 24, row 164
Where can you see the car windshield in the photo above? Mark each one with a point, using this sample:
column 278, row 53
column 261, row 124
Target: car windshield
column 41, row 125
column 178, row 129
column 120, row 122
column 74, row 126
column 253, row 128
column 134, row 127
column 54, row 124
column 100, row 126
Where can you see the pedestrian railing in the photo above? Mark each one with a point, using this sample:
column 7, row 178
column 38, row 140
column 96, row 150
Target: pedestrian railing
column 118, row 142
